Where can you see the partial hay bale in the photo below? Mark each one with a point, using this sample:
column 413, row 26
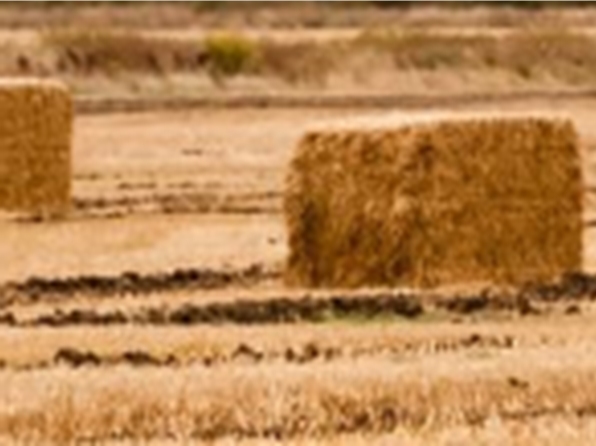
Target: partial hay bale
column 447, row 200
column 35, row 134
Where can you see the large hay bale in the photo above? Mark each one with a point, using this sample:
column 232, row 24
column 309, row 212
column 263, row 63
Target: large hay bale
column 35, row 134
column 495, row 199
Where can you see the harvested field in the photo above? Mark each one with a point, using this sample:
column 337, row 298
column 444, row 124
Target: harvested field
column 191, row 306
column 88, row 331
column 369, row 396
column 138, row 292
column 157, row 313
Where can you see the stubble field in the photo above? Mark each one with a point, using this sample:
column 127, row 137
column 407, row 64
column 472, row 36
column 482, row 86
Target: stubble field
column 156, row 313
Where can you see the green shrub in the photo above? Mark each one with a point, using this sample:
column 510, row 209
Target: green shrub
column 229, row 55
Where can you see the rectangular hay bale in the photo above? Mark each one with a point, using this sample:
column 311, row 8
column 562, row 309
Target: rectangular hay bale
column 472, row 199
column 35, row 138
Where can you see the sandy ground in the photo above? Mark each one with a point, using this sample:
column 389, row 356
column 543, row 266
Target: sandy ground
column 143, row 244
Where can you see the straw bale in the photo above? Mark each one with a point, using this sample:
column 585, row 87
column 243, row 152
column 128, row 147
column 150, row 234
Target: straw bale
column 35, row 134
column 495, row 199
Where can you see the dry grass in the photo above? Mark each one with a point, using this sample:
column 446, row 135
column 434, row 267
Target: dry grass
column 391, row 382
column 300, row 62
column 462, row 199
column 540, row 56
column 87, row 52
column 285, row 401
column 536, row 53
column 543, row 431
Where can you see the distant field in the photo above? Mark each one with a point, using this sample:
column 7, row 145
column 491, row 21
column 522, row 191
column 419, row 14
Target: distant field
column 182, row 50
column 199, row 62
column 310, row 15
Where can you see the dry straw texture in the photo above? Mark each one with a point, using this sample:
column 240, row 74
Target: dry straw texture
column 494, row 199
column 35, row 133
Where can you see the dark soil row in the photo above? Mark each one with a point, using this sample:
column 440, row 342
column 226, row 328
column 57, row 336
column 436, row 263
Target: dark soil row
column 77, row 358
column 245, row 352
column 525, row 300
column 72, row 357
column 279, row 310
column 129, row 283
column 569, row 288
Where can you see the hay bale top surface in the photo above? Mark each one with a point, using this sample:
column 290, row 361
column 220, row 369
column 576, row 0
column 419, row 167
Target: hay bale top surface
column 400, row 119
column 11, row 83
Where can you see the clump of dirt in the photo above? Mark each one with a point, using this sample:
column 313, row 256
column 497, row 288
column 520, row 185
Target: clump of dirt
column 528, row 299
column 489, row 300
column 140, row 358
column 81, row 317
column 517, row 382
column 573, row 309
column 73, row 357
column 571, row 286
column 8, row 318
column 246, row 352
column 525, row 299
column 483, row 341
column 76, row 358
column 311, row 352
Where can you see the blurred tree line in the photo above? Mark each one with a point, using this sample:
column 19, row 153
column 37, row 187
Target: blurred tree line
column 240, row 5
